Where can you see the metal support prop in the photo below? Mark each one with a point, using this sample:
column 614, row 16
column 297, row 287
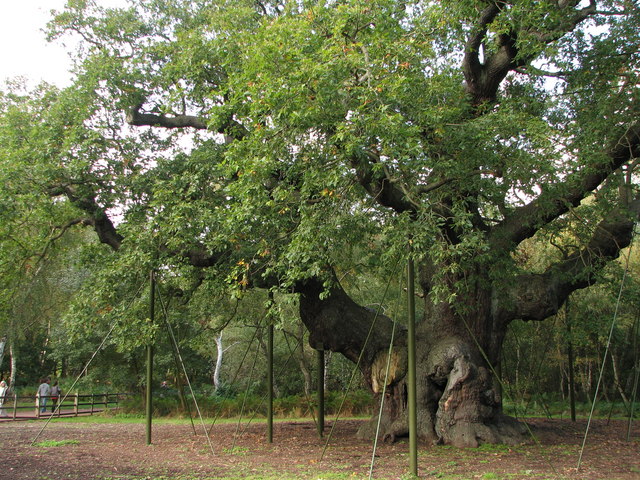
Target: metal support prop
column 572, row 382
column 411, row 374
column 149, row 400
column 636, row 377
column 270, row 383
column 320, row 390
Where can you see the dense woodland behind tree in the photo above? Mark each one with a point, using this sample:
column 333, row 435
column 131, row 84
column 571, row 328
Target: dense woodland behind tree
column 282, row 161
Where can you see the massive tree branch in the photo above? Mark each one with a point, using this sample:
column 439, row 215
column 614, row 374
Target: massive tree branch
column 570, row 21
column 337, row 323
column 483, row 77
column 97, row 217
column 137, row 119
column 538, row 296
column 107, row 232
column 378, row 184
column 555, row 200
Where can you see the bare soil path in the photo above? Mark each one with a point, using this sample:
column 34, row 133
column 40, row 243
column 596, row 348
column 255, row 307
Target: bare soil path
column 117, row 451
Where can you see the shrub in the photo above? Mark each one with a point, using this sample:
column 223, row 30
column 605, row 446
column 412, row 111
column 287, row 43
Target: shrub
column 354, row 404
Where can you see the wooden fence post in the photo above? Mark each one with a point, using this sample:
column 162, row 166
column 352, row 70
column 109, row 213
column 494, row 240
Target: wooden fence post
column 37, row 405
column 75, row 404
column 15, row 405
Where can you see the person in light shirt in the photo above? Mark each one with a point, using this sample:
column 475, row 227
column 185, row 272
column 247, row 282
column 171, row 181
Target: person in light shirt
column 43, row 393
column 4, row 389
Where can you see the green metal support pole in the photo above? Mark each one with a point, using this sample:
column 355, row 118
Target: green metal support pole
column 149, row 400
column 411, row 374
column 320, row 391
column 636, row 378
column 270, row 384
column 572, row 381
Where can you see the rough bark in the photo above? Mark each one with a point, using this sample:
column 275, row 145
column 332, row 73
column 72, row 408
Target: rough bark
column 337, row 323
column 459, row 401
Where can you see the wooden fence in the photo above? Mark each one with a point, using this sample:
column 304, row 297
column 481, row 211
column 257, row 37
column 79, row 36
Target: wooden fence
column 23, row 407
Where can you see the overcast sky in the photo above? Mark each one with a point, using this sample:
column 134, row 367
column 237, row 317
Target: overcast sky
column 24, row 51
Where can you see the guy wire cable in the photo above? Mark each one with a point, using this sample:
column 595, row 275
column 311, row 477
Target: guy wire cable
column 306, row 395
column 536, row 376
column 104, row 340
column 235, row 377
column 176, row 359
column 354, row 371
column 264, row 396
column 186, row 375
column 636, row 367
column 606, row 352
column 497, row 377
column 384, row 387
column 246, row 394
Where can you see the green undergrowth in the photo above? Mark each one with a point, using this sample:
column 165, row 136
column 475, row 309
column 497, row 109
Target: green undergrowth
column 542, row 407
column 357, row 403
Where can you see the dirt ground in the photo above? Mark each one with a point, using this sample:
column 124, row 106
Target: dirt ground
column 116, row 451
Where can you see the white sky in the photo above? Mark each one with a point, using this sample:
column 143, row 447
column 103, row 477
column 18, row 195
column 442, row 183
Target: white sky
column 24, row 50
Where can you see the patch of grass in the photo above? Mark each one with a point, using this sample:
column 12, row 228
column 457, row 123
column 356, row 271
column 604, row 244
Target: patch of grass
column 128, row 418
column 490, row 476
column 409, row 476
column 55, row 443
column 236, row 450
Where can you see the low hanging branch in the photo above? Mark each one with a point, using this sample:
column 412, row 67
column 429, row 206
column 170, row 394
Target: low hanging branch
column 138, row 119
column 230, row 128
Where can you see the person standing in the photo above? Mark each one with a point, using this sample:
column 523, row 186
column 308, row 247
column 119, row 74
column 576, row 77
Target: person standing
column 4, row 389
column 55, row 394
column 43, row 393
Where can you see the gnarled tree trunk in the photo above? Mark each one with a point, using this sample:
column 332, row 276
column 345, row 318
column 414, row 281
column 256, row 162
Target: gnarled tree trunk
column 459, row 400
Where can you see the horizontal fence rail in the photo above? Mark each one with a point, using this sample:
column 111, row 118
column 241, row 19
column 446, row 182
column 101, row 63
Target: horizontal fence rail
column 17, row 407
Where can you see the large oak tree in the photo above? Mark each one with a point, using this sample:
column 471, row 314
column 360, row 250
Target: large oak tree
column 284, row 145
